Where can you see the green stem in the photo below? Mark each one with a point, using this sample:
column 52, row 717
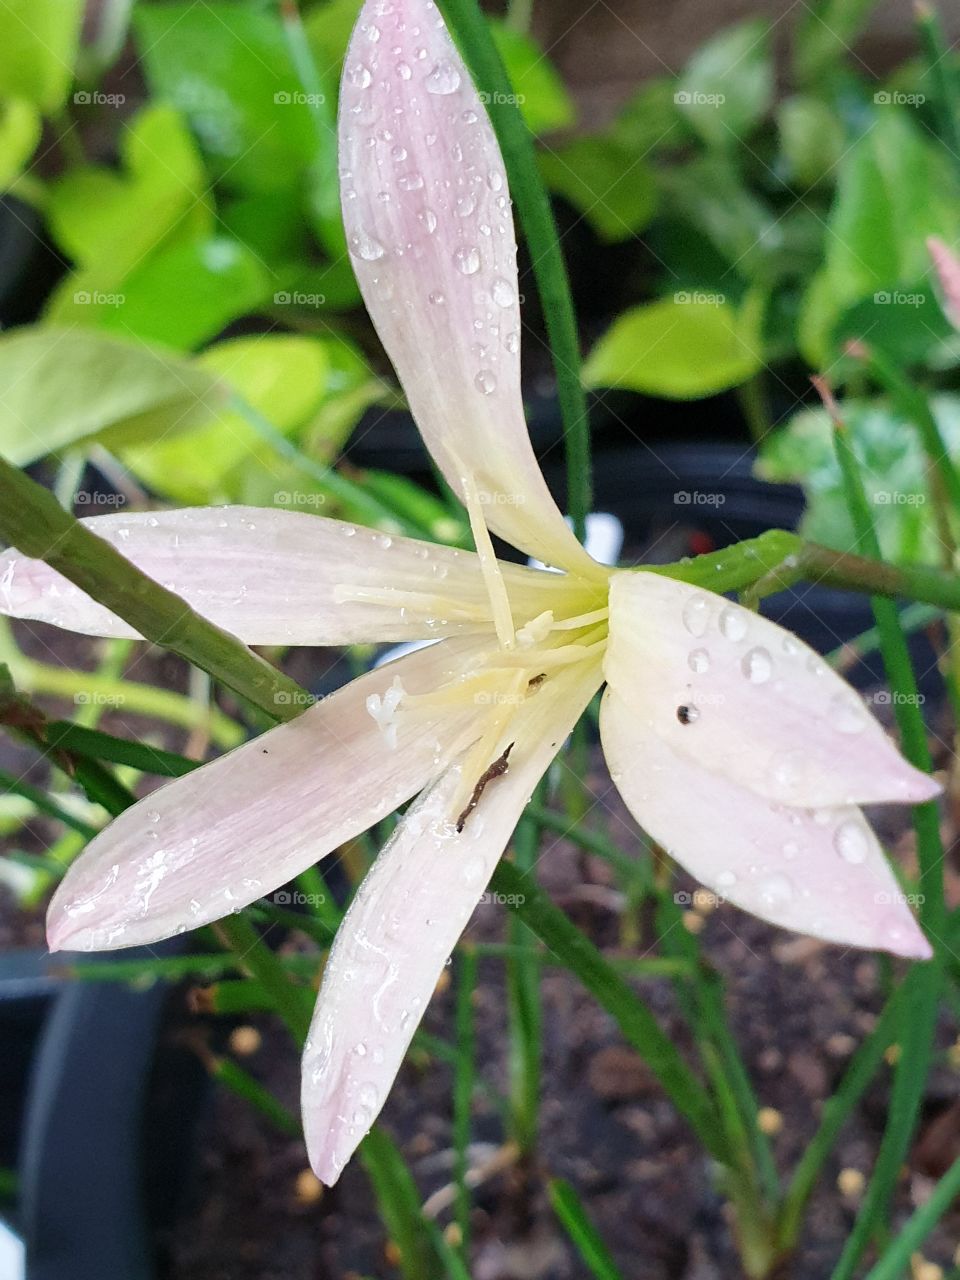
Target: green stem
column 940, row 68
column 634, row 1019
column 32, row 520
column 291, row 1003
column 472, row 33
column 896, row 1260
column 463, row 1086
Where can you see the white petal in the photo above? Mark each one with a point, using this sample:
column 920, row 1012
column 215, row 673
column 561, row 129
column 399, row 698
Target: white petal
column 818, row 871
column 403, row 924
column 226, row 834
column 765, row 710
column 430, row 229
column 278, row 577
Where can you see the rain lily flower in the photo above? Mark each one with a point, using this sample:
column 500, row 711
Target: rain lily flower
column 732, row 743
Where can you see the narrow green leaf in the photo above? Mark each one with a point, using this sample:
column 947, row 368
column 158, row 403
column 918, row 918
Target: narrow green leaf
column 636, row 1022
column 589, row 1244
column 896, row 1259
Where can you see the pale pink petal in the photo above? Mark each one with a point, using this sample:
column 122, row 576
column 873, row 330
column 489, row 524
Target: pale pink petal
column 818, row 871
column 763, row 709
column 404, row 922
column 280, row 577
column 222, row 836
column 947, row 266
column 430, row 229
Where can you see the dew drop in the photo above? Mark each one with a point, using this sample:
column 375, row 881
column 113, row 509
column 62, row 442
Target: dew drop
column 757, row 665
column 437, row 299
column 429, row 220
column 696, row 614
column 512, row 342
column 485, row 382
column 733, row 624
column 698, row 660
column 410, row 182
column 398, row 153
column 467, row 260
column 846, row 715
column 776, row 890
column 360, row 75
column 466, row 205
column 850, row 841
column 502, row 293
column 365, row 247
column 444, row 79
column 153, row 815
column 470, row 117
column 495, row 180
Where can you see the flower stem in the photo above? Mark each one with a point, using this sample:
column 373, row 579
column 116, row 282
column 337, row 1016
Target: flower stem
column 470, row 30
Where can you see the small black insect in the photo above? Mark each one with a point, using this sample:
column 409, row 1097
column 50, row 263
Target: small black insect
column 686, row 715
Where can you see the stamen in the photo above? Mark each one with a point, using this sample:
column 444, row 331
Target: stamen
column 384, row 710
column 536, row 630
column 492, row 577
column 582, row 620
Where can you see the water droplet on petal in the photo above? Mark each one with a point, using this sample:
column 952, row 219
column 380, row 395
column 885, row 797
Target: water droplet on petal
column 503, row 293
column 485, row 382
column 410, row 182
column 403, row 70
column 437, row 299
column 443, row 79
column 698, row 660
column 495, row 180
column 733, row 623
column 467, row 260
column 466, row 205
column 696, row 614
column 850, row 841
column 365, row 247
column 757, row 665
column 360, row 75
column 776, row 890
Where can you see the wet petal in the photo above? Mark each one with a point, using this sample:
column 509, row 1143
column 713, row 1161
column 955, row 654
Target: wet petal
column 279, row 577
column 222, row 836
column 817, row 871
column 430, row 228
column 760, row 707
column 404, row 922
column 947, row 266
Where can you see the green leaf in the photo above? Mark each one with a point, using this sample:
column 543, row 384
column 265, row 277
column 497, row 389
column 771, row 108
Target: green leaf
column 100, row 215
column 568, row 1207
column 893, row 192
column 38, row 45
column 182, row 295
column 610, row 185
column 282, row 376
column 824, row 35
column 895, row 473
column 909, row 325
column 651, row 119
column 727, row 86
column 541, row 95
column 227, row 67
column 811, row 138
column 19, row 135
column 692, row 345
column 67, row 385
